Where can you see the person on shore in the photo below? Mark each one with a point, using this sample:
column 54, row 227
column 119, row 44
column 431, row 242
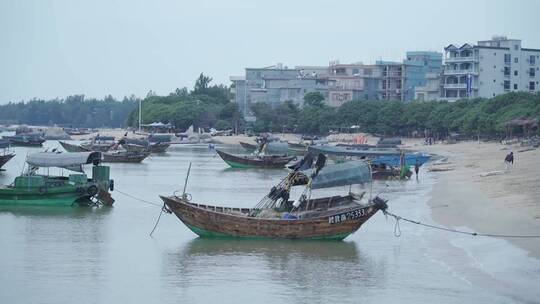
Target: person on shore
column 416, row 169
column 509, row 160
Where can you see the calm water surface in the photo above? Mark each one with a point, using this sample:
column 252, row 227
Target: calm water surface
column 104, row 255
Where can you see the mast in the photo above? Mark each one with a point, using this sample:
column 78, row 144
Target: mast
column 140, row 114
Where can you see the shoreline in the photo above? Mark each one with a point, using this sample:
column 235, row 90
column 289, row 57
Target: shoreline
column 505, row 203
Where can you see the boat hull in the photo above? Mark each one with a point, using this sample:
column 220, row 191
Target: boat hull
column 212, row 222
column 124, row 158
column 5, row 158
column 34, row 198
column 72, row 148
column 253, row 162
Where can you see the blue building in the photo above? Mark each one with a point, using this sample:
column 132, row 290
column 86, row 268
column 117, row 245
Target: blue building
column 417, row 65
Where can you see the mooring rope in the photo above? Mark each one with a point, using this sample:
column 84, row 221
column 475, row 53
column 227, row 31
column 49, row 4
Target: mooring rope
column 397, row 229
column 138, row 199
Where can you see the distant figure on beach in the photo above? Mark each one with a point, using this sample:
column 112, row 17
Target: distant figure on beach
column 416, row 169
column 509, row 160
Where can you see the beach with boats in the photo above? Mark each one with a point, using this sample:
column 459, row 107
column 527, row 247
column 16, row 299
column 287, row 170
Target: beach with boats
column 220, row 211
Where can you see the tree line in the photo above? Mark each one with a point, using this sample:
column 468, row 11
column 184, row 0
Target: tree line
column 484, row 117
column 73, row 111
column 205, row 106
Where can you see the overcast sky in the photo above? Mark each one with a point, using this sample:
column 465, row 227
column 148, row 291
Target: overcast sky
column 53, row 49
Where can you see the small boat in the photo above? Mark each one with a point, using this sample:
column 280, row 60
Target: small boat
column 248, row 147
column 33, row 189
column 378, row 156
column 254, row 161
column 140, row 145
column 25, row 140
column 72, row 148
column 158, row 147
column 275, row 216
column 5, row 156
column 124, row 157
column 298, row 148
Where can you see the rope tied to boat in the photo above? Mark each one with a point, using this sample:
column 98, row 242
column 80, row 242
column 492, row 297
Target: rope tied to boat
column 397, row 228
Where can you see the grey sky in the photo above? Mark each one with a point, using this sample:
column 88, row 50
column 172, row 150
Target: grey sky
column 56, row 48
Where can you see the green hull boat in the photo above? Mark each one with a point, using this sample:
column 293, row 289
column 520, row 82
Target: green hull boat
column 43, row 190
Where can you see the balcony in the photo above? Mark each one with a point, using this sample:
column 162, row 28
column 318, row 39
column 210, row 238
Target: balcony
column 461, row 59
column 458, row 86
column 460, row 72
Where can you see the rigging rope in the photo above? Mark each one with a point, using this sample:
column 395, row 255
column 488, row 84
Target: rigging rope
column 397, row 229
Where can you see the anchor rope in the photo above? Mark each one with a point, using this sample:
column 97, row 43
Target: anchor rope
column 139, row 199
column 397, row 229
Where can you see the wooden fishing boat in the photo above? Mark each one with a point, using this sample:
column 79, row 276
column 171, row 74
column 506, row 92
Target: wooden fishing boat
column 97, row 147
column 248, row 147
column 159, row 147
column 72, row 148
column 134, row 148
column 6, row 155
column 5, row 158
column 275, row 216
column 331, row 218
column 124, row 157
column 25, row 140
column 44, row 190
column 254, row 161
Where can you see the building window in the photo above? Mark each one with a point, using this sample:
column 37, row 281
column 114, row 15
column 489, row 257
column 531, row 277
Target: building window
column 507, row 58
column 515, row 73
column 507, row 84
column 355, row 71
column 532, row 60
column 506, row 71
column 516, row 47
column 532, row 72
column 531, row 85
column 515, row 60
column 515, row 86
column 494, row 80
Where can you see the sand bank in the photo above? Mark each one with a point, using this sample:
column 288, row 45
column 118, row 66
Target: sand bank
column 505, row 203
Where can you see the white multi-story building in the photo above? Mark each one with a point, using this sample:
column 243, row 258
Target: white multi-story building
column 490, row 68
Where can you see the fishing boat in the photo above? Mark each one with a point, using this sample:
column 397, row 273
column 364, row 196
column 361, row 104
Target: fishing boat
column 5, row 156
column 25, row 140
column 34, row 189
column 254, row 161
column 378, row 156
column 124, row 157
column 158, row 147
column 248, row 147
column 275, row 216
column 72, row 147
column 140, row 145
column 297, row 147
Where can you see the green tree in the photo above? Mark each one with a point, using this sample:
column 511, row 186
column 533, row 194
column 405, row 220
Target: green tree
column 314, row 99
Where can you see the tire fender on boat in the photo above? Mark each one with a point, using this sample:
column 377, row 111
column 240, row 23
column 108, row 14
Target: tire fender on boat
column 92, row 190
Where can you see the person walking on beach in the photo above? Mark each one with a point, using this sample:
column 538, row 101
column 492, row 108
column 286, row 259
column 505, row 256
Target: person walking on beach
column 416, row 169
column 509, row 160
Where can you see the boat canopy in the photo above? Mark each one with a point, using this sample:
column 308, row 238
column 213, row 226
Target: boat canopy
column 350, row 151
column 342, row 174
column 70, row 161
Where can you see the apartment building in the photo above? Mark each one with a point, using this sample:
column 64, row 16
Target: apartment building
column 489, row 68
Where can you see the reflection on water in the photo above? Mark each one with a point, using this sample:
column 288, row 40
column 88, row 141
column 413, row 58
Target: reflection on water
column 317, row 266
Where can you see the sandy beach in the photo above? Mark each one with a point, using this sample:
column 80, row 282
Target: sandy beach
column 503, row 203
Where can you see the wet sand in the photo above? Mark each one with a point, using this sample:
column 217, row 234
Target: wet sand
column 503, row 203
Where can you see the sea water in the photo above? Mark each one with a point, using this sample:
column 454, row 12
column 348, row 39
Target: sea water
column 105, row 255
